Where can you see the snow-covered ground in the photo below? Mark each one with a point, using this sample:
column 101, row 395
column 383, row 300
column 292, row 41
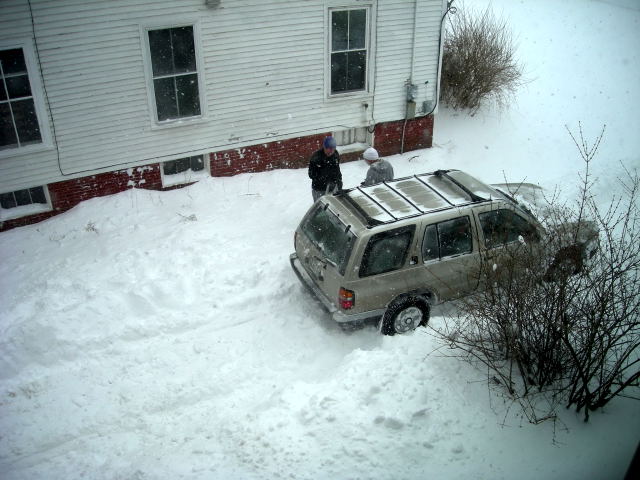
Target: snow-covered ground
column 163, row 335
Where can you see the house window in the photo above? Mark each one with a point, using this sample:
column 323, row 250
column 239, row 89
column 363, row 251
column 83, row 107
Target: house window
column 349, row 48
column 21, row 203
column 184, row 170
column 195, row 164
column 19, row 125
column 20, row 198
column 174, row 73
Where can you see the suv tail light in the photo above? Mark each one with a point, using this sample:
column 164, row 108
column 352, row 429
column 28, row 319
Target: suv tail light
column 346, row 298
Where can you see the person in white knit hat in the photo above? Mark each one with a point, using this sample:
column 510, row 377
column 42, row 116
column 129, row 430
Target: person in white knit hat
column 379, row 169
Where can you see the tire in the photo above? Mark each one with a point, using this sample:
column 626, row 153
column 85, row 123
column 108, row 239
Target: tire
column 404, row 316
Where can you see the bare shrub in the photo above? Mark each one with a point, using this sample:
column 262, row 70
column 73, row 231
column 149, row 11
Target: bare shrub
column 560, row 318
column 478, row 62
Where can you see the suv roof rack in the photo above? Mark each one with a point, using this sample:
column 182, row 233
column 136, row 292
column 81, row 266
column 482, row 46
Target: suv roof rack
column 473, row 196
column 407, row 197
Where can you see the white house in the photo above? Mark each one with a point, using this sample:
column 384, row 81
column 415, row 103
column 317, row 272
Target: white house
column 97, row 96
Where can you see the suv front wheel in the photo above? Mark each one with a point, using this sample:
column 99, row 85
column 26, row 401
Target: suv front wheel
column 404, row 316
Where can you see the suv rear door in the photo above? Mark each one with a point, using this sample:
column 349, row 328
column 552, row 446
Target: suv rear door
column 380, row 273
column 446, row 259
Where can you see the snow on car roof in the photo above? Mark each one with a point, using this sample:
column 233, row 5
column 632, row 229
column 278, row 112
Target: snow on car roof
column 407, row 197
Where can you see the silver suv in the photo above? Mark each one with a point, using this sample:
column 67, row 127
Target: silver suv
column 390, row 250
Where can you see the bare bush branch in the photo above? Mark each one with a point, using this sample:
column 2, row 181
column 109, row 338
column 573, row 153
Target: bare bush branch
column 478, row 61
column 559, row 319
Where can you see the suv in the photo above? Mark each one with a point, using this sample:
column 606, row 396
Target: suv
column 390, row 250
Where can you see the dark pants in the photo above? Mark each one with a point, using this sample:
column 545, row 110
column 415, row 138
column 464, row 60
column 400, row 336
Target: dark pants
column 316, row 194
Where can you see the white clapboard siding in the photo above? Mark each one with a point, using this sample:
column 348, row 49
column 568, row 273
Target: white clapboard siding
column 263, row 77
column 427, row 50
column 393, row 54
column 39, row 166
column 396, row 21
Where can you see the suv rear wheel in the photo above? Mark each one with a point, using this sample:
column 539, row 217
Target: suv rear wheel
column 404, row 316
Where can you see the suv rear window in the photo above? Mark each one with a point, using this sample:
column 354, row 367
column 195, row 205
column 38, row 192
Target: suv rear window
column 386, row 251
column 329, row 235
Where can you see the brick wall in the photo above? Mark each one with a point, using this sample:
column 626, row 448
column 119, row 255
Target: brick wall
column 418, row 133
column 67, row 194
column 292, row 153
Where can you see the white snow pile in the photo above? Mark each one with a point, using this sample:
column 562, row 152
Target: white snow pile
column 163, row 335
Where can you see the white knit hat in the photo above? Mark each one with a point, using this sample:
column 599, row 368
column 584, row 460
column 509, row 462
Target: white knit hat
column 370, row 154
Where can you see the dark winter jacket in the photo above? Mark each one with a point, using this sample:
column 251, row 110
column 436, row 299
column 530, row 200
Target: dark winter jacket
column 325, row 171
column 381, row 171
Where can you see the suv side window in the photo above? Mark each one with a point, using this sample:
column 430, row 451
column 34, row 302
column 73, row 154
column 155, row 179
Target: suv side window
column 386, row 251
column 504, row 226
column 445, row 239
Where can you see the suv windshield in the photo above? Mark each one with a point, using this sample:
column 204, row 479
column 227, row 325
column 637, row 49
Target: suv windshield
column 329, row 235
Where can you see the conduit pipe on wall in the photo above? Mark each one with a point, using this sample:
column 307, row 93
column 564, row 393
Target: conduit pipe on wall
column 449, row 8
column 409, row 82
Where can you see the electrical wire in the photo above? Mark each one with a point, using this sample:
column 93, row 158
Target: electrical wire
column 450, row 9
column 372, row 128
column 44, row 87
column 53, row 123
column 158, row 158
column 151, row 159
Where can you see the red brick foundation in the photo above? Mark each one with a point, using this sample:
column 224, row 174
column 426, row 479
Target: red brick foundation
column 292, row 153
column 66, row 195
column 418, row 133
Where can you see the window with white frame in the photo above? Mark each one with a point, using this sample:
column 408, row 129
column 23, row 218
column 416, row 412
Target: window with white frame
column 20, row 203
column 349, row 49
column 19, row 126
column 195, row 164
column 174, row 71
column 184, row 170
